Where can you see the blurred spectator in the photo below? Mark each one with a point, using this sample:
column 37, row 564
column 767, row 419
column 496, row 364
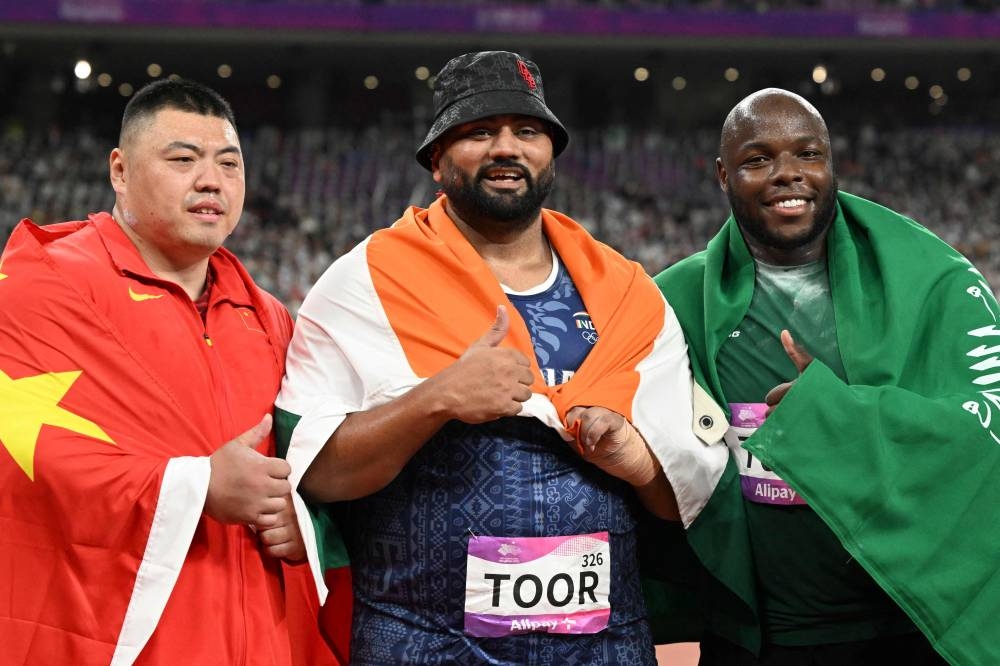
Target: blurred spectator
column 313, row 194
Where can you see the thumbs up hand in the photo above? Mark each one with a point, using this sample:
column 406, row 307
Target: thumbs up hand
column 488, row 381
column 495, row 334
column 247, row 486
column 800, row 357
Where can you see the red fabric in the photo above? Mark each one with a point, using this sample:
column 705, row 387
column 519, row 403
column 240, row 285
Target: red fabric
column 319, row 636
column 335, row 616
column 77, row 297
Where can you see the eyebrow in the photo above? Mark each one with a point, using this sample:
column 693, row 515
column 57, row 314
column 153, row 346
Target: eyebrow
column 184, row 145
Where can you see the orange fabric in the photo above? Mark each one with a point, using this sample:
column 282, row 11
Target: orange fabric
column 440, row 296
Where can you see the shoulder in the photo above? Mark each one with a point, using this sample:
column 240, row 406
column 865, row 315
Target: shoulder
column 345, row 285
column 349, row 268
column 268, row 306
column 73, row 249
column 887, row 229
column 45, row 269
column 566, row 233
column 869, row 214
column 684, row 274
column 276, row 312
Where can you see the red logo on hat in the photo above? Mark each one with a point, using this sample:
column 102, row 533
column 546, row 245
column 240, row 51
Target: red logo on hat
column 526, row 75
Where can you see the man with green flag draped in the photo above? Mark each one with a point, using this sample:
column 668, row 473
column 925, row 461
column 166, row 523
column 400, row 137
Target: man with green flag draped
column 857, row 355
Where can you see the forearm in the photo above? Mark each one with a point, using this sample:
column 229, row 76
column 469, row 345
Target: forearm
column 370, row 448
column 611, row 442
column 658, row 497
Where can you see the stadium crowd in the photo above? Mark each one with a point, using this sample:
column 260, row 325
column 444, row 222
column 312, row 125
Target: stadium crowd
column 313, row 194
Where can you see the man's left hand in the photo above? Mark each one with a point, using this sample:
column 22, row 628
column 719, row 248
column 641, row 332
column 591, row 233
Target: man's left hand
column 609, row 441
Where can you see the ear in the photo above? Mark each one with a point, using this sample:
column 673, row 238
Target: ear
column 720, row 172
column 116, row 169
column 436, row 162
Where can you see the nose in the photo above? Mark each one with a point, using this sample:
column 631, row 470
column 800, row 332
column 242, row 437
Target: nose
column 786, row 169
column 505, row 144
column 209, row 177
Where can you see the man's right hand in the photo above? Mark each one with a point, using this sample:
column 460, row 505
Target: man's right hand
column 371, row 447
column 800, row 357
column 247, row 486
column 487, row 382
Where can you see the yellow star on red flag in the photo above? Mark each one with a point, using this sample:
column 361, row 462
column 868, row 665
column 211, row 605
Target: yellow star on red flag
column 2, row 276
column 27, row 404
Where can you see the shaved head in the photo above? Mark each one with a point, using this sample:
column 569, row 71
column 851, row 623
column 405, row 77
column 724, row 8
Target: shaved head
column 761, row 103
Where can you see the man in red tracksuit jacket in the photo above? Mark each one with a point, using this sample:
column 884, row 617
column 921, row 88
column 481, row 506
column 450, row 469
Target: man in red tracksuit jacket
column 142, row 517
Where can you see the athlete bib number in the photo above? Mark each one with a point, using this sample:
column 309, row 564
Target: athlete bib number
column 517, row 585
column 759, row 483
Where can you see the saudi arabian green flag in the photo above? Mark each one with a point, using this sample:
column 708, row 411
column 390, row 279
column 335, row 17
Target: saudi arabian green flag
column 903, row 460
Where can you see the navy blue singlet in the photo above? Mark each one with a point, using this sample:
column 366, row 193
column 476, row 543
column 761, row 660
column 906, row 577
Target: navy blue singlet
column 511, row 477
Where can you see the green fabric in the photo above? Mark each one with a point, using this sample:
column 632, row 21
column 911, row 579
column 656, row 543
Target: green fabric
column 698, row 581
column 912, row 432
column 332, row 550
column 752, row 361
column 810, row 590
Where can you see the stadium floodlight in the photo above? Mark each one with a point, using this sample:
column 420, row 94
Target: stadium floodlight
column 82, row 69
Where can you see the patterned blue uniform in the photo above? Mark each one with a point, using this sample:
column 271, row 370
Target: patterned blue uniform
column 511, row 477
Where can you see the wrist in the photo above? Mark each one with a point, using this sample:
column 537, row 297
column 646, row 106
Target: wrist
column 643, row 466
column 647, row 471
column 436, row 401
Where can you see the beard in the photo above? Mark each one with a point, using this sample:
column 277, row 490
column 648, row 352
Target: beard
column 752, row 223
column 512, row 210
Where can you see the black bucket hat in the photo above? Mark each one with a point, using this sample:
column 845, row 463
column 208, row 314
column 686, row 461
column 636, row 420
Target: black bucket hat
column 488, row 83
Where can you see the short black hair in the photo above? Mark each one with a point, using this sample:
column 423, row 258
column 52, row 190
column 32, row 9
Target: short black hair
column 180, row 94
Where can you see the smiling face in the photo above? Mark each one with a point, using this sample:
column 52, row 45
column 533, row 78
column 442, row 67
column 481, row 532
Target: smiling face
column 179, row 181
column 496, row 171
column 776, row 169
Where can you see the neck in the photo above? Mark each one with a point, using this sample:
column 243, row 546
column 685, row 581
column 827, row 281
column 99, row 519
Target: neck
column 189, row 273
column 520, row 257
column 810, row 250
column 788, row 257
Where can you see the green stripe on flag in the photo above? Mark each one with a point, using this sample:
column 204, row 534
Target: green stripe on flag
column 332, row 551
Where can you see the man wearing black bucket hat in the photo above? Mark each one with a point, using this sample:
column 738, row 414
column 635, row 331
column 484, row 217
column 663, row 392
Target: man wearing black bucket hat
column 468, row 387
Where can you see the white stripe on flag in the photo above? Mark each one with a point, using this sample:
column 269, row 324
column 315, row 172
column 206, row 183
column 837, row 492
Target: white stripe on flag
column 178, row 510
